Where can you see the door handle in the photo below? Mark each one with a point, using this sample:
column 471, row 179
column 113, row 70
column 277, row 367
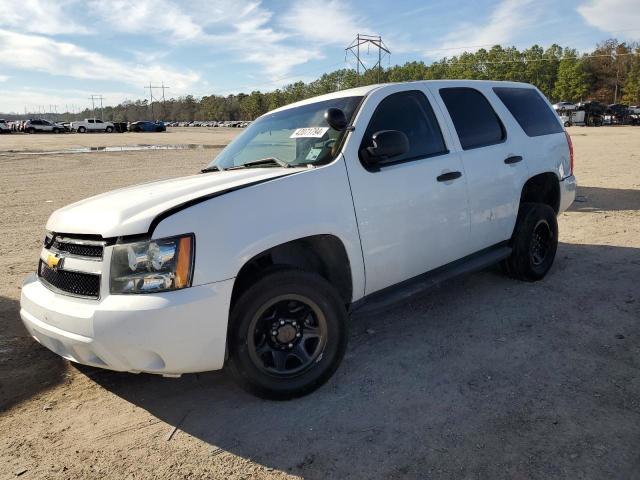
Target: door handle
column 445, row 177
column 512, row 160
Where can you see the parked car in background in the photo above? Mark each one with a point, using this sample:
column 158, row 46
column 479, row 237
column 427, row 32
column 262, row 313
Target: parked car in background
column 396, row 187
column 564, row 106
column 5, row 127
column 147, row 126
column 92, row 125
column 42, row 126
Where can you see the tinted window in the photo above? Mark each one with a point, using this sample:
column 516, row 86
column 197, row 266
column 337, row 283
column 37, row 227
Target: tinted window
column 410, row 113
column 530, row 110
column 477, row 124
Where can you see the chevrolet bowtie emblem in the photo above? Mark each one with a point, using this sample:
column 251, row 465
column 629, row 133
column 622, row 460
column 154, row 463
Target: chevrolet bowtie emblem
column 54, row 261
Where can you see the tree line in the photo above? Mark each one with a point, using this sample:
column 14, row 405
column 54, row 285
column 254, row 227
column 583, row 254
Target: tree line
column 610, row 73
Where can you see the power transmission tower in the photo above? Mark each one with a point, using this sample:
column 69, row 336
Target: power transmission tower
column 368, row 40
column 162, row 87
column 93, row 98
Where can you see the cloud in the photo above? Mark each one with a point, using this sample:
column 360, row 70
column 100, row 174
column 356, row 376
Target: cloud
column 37, row 99
column 39, row 16
column 613, row 15
column 39, row 53
column 328, row 22
column 242, row 27
column 506, row 22
column 145, row 16
column 4, row 78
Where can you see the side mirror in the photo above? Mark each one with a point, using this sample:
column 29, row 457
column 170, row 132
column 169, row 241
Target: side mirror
column 336, row 119
column 386, row 144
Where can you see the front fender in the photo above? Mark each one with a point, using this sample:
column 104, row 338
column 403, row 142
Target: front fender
column 234, row 227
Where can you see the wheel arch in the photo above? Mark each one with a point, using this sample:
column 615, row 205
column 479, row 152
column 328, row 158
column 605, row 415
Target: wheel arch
column 324, row 254
column 542, row 188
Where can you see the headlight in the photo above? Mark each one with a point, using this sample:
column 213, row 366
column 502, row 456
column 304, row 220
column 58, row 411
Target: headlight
column 152, row 266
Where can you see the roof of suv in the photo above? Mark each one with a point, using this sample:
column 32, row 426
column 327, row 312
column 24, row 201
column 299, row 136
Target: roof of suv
column 365, row 90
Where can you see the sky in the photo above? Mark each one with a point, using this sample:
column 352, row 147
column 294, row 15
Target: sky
column 59, row 52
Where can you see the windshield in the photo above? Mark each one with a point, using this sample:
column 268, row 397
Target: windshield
column 294, row 137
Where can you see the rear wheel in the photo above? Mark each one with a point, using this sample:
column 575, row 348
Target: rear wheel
column 534, row 243
column 81, row 129
column 288, row 334
column 109, row 129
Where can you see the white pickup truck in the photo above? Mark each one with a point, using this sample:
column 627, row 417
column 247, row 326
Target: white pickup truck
column 346, row 201
column 92, row 125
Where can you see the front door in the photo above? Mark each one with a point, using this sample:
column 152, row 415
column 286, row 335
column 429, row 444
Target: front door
column 412, row 210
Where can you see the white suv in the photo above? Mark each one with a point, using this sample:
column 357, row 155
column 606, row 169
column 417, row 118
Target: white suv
column 336, row 203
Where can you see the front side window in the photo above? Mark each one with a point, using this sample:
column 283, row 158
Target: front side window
column 410, row 113
column 293, row 137
column 476, row 123
column 530, row 110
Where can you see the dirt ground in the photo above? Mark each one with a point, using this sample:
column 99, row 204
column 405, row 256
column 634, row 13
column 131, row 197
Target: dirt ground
column 481, row 378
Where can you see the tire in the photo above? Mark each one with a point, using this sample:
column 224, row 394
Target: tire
column 56, row 130
column 31, row 130
column 534, row 243
column 109, row 129
column 567, row 124
column 81, row 130
column 289, row 312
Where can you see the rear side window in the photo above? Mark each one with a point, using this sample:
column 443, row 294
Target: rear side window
column 530, row 110
column 477, row 124
column 410, row 113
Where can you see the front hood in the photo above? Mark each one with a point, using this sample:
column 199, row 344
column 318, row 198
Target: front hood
column 131, row 210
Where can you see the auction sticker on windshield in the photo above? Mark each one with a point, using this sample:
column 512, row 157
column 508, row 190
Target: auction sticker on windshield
column 309, row 132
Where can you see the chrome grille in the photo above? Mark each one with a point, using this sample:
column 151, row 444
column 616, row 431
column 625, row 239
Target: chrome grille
column 77, row 249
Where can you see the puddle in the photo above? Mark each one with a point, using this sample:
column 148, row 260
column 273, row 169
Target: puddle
column 124, row 148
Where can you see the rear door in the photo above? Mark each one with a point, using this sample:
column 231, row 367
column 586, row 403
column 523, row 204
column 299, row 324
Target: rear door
column 412, row 210
column 492, row 159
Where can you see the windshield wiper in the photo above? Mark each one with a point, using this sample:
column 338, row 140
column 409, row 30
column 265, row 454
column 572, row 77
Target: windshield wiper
column 263, row 162
column 213, row 168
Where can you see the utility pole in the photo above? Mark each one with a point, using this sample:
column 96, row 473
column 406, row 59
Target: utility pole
column 615, row 94
column 162, row 87
column 93, row 99
column 368, row 40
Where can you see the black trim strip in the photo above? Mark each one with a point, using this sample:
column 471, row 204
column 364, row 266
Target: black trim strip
column 401, row 291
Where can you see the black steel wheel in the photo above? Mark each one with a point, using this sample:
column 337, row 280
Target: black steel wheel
column 541, row 243
column 534, row 242
column 288, row 334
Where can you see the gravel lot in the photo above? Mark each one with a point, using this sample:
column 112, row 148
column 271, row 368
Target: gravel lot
column 483, row 377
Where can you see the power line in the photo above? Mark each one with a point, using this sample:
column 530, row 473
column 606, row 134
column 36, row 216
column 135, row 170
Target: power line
column 533, row 60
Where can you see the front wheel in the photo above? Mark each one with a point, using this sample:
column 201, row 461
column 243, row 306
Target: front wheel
column 81, row 129
column 288, row 334
column 534, row 242
column 109, row 129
